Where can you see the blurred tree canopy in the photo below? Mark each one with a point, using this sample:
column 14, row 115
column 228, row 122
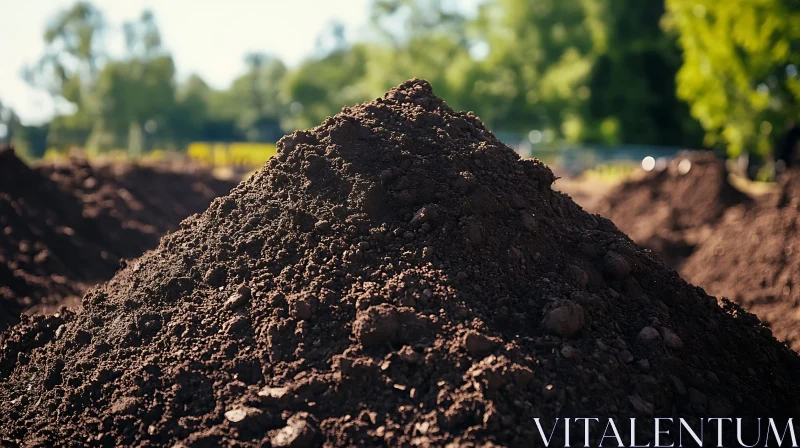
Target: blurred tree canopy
column 632, row 82
column 253, row 101
column 586, row 71
column 739, row 71
column 136, row 93
column 69, row 67
column 596, row 71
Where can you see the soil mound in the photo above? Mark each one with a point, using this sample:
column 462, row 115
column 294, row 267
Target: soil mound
column 789, row 188
column 752, row 259
column 66, row 226
column 669, row 211
column 394, row 276
column 136, row 204
column 49, row 251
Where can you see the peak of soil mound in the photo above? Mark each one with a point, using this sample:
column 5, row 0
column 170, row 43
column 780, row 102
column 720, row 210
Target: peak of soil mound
column 394, row 276
column 668, row 211
column 752, row 259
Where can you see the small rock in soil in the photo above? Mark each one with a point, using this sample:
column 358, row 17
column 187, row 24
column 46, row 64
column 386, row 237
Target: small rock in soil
column 647, row 335
column 642, row 406
column 478, row 344
column 566, row 320
column 238, row 299
column 671, row 339
column 299, row 432
column 616, row 266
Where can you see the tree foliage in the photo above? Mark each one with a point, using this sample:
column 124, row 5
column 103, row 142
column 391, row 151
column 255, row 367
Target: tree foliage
column 253, row 102
column 320, row 87
column 739, row 71
column 138, row 91
column 580, row 70
column 632, row 82
column 590, row 71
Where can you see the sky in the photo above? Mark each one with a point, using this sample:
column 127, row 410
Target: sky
column 207, row 37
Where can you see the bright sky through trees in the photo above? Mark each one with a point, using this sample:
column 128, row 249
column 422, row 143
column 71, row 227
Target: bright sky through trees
column 207, row 37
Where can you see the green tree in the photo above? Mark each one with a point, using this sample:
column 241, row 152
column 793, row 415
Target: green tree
column 419, row 38
column 28, row 141
column 537, row 72
column 739, row 71
column 253, row 101
column 412, row 38
column 191, row 112
column 320, row 87
column 137, row 94
column 632, row 83
column 399, row 21
column 69, row 67
column 73, row 51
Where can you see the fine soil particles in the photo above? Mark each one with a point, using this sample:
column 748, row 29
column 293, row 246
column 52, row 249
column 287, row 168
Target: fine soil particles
column 394, row 276
column 67, row 226
column 752, row 259
column 671, row 211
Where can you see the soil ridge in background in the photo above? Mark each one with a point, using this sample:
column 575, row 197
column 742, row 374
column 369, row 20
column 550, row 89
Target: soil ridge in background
column 49, row 251
column 753, row 258
column 66, row 225
column 672, row 211
column 718, row 238
column 394, row 276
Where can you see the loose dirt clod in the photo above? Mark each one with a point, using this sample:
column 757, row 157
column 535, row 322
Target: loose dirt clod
column 671, row 339
column 565, row 320
column 478, row 344
column 350, row 378
column 648, row 335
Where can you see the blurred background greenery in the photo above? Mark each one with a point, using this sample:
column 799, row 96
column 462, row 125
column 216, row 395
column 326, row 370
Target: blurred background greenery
column 544, row 74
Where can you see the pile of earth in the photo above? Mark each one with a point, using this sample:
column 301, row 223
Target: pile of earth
column 396, row 276
column 671, row 211
column 788, row 193
column 137, row 203
column 753, row 258
column 67, row 227
column 49, row 251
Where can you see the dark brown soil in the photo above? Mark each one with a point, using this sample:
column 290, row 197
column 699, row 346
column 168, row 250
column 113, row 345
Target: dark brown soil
column 753, row 258
column 395, row 276
column 136, row 204
column 66, row 227
column 49, row 251
column 670, row 212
